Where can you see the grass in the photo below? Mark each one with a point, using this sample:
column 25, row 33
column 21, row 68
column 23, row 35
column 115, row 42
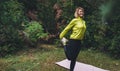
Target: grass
column 44, row 57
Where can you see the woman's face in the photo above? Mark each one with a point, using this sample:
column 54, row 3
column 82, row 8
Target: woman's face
column 80, row 13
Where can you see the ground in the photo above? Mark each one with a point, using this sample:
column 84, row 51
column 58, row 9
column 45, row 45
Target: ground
column 43, row 58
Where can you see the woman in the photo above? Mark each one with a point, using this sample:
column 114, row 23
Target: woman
column 78, row 27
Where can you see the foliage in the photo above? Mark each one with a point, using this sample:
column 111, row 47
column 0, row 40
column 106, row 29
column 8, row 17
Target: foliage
column 35, row 31
column 101, row 16
column 106, row 36
column 29, row 5
column 68, row 10
column 11, row 16
column 11, row 13
column 115, row 47
column 114, row 30
column 46, row 15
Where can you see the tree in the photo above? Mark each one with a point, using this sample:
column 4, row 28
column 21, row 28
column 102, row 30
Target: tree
column 11, row 17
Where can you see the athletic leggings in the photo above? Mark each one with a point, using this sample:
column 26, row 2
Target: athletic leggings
column 72, row 50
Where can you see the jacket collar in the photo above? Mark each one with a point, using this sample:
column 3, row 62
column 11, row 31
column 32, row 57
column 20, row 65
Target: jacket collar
column 79, row 18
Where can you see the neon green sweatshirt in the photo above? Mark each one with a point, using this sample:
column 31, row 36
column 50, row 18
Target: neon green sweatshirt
column 78, row 29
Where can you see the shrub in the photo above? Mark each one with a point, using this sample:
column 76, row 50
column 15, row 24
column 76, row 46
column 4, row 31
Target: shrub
column 11, row 16
column 35, row 31
column 115, row 47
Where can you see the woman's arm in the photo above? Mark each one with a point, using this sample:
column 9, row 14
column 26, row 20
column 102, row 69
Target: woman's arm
column 68, row 27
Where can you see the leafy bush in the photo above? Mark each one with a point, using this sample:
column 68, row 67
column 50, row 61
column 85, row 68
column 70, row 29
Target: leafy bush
column 46, row 15
column 115, row 47
column 11, row 13
column 35, row 31
column 11, row 16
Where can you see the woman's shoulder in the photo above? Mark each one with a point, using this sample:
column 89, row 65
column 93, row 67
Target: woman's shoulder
column 74, row 19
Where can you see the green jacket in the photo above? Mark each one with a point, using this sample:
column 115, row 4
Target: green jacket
column 78, row 29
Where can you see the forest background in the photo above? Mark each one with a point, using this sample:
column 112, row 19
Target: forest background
column 27, row 23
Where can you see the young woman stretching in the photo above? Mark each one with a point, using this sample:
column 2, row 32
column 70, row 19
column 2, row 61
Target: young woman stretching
column 78, row 27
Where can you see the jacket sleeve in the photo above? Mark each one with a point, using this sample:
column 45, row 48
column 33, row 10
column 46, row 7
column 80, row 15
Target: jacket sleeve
column 68, row 27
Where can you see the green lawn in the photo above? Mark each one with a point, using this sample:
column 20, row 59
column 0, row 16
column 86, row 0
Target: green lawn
column 44, row 57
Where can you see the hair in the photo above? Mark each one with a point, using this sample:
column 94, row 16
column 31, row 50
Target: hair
column 76, row 11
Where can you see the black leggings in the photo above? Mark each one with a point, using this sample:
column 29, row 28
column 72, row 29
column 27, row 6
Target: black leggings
column 72, row 50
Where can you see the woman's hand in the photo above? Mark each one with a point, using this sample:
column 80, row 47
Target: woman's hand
column 64, row 41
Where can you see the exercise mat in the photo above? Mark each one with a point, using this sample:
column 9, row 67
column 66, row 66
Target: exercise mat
column 79, row 66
